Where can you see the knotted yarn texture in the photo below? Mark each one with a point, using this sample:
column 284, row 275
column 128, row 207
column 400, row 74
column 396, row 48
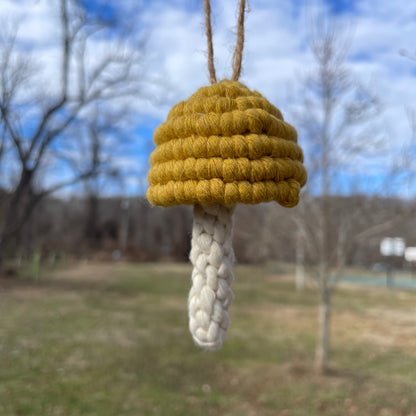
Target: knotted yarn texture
column 225, row 144
column 212, row 257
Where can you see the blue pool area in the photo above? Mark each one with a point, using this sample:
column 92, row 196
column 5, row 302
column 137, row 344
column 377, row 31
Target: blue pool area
column 399, row 282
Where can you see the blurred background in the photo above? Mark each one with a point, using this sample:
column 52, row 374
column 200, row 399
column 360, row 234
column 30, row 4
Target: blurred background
column 94, row 280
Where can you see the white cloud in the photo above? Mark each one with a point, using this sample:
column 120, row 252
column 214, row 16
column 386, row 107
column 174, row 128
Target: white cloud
column 275, row 53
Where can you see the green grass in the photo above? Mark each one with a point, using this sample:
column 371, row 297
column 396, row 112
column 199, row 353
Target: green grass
column 110, row 340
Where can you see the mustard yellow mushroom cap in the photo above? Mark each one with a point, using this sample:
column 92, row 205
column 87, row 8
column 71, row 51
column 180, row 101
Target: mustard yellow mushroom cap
column 225, row 144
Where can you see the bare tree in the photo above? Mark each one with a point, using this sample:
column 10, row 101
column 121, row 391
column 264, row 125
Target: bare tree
column 334, row 121
column 404, row 169
column 38, row 124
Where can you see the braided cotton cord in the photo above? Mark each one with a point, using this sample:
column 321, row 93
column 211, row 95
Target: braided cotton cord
column 222, row 146
column 212, row 257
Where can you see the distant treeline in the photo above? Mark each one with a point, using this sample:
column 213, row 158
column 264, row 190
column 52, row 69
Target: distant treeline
column 98, row 227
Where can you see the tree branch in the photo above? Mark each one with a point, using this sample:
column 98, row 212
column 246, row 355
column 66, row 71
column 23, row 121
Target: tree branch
column 78, row 178
column 66, row 52
column 13, row 135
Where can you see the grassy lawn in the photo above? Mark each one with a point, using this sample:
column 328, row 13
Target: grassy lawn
column 110, row 340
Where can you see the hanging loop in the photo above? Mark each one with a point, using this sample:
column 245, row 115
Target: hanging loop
column 238, row 52
column 211, row 67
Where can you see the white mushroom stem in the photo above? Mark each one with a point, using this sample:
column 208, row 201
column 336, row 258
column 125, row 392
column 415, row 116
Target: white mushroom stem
column 212, row 256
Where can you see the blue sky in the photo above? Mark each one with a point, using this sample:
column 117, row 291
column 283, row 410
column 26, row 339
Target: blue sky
column 275, row 59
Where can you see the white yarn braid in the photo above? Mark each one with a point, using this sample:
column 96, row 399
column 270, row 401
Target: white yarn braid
column 212, row 257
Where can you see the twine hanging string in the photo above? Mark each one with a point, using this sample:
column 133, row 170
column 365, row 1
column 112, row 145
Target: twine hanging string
column 238, row 52
column 211, row 67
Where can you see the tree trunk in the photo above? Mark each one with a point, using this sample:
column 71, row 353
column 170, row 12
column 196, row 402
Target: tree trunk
column 13, row 220
column 324, row 321
column 300, row 264
column 92, row 233
column 124, row 226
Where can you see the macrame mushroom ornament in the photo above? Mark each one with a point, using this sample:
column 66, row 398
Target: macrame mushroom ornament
column 224, row 145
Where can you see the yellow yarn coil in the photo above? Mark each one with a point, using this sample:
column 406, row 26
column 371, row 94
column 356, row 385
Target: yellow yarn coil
column 225, row 144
